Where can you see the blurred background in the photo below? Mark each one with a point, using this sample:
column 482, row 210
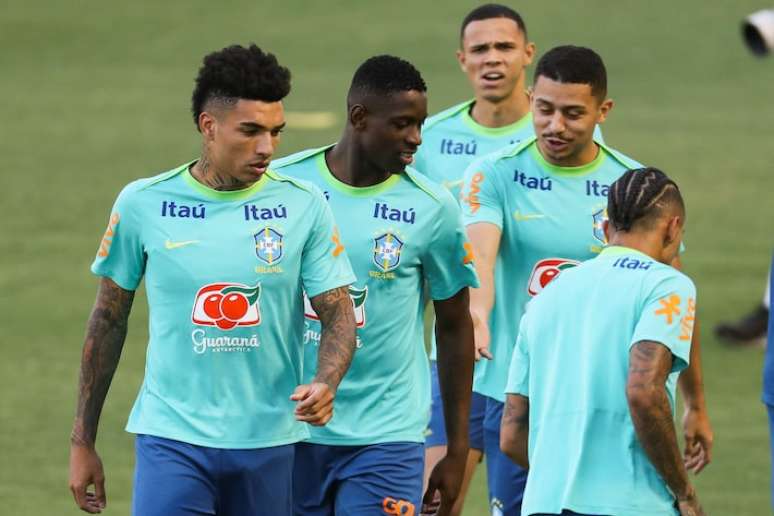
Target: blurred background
column 96, row 94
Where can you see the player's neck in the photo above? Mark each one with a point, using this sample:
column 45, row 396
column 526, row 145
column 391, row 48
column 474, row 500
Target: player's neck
column 584, row 157
column 349, row 163
column 499, row 114
column 647, row 243
column 208, row 175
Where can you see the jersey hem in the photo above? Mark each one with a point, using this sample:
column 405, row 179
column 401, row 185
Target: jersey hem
column 220, row 444
column 345, row 441
column 601, row 509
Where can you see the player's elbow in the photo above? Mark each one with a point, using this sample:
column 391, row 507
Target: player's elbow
column 641, row 397
column 513, row 444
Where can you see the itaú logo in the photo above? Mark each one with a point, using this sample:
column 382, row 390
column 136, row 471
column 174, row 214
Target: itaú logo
column 227, row 305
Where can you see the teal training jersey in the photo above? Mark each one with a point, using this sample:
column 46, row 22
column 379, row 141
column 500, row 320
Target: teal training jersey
column 224, row 274
column 572, row 359
column 551, row 219
column 452, row 140
column 398, row 234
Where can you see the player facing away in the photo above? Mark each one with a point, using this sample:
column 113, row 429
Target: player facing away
column 401, row 231
column 227, row 248
column 591, row 389
column 536, row 209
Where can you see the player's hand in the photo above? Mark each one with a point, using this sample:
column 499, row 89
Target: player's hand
column 698, row 440
column 481, row 337
column 315, row 403
column 86, row 470
column 446, row 480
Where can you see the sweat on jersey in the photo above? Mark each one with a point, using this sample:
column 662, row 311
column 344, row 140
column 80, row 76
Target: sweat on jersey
column 551, row 220
column 399, row 234
column 224, row 274
column 572, row 360
column 452, row 140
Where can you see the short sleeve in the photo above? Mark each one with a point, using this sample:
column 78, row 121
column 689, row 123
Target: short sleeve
column 324, row 262
column 668, row 316
column 480, row 199
column 448, row 260
column 518, row 372
column 121, row 253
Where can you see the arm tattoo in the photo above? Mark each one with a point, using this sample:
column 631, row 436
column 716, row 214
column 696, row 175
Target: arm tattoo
column 105, row 335
column 515, row 415
column 514, row 429
column 649, row 366
column 337, row 341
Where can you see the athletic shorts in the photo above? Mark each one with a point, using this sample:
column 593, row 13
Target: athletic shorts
column 357, row 480
column 173, row 478
column 506, row 480
column 770, row 410
column 436, row 430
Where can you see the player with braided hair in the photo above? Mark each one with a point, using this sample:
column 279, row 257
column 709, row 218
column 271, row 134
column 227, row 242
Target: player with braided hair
column 535, row 210
column 592, row 416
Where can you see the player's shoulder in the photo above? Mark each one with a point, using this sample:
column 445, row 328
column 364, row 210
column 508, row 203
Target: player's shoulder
column 446, row 116
column 666, row 276
column 296, row 185
column 139, row 188
column 619, row 157
column 299, row 158
column 428, row 188
column 504, row 155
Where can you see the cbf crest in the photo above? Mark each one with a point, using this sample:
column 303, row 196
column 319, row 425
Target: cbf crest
column 599, row 217
column 387, row 249
column 269, row 245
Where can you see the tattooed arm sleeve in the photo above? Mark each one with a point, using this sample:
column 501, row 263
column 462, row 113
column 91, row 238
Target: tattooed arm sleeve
column 514, row 429
column 105, row 335
column 337, row 342
column 649, row 365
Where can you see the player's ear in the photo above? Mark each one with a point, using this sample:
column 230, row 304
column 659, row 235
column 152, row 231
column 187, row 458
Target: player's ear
column 606, row 229
column 461, row 59
column 673, row 230
column 604, row 108
column 357, row 116
column 207, row 124
column 530, row 51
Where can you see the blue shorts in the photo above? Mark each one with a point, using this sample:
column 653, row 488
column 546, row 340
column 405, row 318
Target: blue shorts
column 436, row 429
column 356, row 480
column 172, row 478
column 505, row 479
column 770, row 410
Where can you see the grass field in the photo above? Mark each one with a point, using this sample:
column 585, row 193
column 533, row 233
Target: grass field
column 97, row 93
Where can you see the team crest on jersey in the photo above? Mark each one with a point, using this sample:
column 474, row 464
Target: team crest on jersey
column 227, row 305
column 598, row 219
column 358, row 297
column 269, row 245
column 387, row 250
column 545, row 271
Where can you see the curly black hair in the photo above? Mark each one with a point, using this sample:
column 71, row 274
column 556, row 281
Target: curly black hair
column 576, row 65
column 384, row 75
column 489, row 11
column 237, row 72
column 640, row 197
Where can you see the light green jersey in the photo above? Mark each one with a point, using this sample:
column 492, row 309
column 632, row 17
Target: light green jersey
column 399, row 234
column 572, row 359
column 551, row 219
column 224, row 274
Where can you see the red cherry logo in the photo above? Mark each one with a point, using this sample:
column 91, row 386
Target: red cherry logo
column 225, row 324
column 547, row 276
column 212, row 305
column 234, row 306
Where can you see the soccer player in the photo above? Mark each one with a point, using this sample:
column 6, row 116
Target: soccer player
column 226, row 247
column 591, row 388
column 401, row 231
column 536, row 209
column 494, row 54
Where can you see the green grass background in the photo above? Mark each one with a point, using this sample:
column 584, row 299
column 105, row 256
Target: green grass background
column 95, row 94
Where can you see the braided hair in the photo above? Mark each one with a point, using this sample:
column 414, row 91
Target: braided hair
column 639, row 198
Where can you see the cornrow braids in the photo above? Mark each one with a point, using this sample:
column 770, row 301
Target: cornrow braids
column 639, row 197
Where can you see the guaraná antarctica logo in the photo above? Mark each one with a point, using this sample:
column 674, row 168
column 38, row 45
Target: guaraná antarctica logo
column 545, row 271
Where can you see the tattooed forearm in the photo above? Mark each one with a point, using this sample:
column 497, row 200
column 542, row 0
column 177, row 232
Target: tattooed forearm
column 514, row 429
column 649, row 366
column 105, row 336
column 337, row 342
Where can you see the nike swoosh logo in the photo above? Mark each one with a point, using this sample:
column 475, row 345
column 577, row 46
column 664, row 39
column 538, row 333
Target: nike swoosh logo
column 530, row 216
column 174, row 245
